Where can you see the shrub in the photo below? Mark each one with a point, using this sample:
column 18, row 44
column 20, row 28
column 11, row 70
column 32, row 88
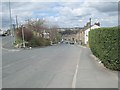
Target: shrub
column 38, row 41
column 104, row 43
column 28, row 34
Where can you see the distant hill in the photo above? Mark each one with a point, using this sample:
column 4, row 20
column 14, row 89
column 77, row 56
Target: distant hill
column 68, row 32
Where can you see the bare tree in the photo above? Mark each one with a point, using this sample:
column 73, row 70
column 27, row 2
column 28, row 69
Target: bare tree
column 37, row 26
column 28, row 35
column 54, row 34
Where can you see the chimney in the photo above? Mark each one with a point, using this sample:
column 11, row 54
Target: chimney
column 97, row 23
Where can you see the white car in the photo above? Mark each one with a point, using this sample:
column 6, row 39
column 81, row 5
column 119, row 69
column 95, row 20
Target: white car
column 1, row 33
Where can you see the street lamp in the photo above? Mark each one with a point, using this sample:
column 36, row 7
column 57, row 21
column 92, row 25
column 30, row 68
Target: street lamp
column 23, row 37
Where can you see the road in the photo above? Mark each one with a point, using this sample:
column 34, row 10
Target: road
column 7, row 42
column 58, row 66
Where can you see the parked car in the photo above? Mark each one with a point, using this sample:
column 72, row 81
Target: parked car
column 72, row 43
column 67, row 42
column 3, row 33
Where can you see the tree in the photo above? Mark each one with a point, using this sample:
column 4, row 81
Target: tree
column 36, row 25
column 54, row 34
column 28, row 35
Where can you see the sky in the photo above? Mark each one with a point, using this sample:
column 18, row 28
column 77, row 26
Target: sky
column 65, row 14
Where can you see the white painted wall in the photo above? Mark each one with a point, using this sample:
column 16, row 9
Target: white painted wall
column 87, row 32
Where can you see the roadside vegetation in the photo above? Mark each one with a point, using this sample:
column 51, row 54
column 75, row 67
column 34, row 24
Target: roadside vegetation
column 105, row 44
column 36, row 34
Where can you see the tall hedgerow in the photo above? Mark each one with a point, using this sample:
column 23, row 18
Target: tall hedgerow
column 105, row 44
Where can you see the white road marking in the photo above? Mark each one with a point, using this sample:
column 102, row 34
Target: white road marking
column 75, row 77
column 75, row 74
column 13, row 50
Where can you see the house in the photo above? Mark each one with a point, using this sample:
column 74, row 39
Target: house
column 81, row 36
column 86, row 32
column 72, row 35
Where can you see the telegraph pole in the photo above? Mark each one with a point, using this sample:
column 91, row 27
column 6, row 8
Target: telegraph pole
column 10, row 18
column 16, row 22
column 23, row 37
column 90, row 23
column 14, row 32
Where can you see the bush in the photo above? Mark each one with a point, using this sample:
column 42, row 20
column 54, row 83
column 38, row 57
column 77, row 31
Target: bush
column 28, row 34
column 31, row 39
column 38, row 41
column 104, row 43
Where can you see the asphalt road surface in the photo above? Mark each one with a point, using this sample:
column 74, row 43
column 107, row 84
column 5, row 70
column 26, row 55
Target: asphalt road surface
column 7, row 42
column 58, row 66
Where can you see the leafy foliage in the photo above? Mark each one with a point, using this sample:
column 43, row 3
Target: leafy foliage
column 28, row 35
column 39, row 41
column 33, row 34
column 105, row 44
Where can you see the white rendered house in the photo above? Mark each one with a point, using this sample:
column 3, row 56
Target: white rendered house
column 87, row 32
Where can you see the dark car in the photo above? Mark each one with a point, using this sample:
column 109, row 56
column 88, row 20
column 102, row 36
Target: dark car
column 72, row 43
column 67, row 42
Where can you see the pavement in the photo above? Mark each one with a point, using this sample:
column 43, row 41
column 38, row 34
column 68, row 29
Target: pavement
column 93, row 74
column 7, row 44
column 58, row 66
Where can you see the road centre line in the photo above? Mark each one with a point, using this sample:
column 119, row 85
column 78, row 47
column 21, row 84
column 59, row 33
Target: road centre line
column 75, row 74
column 75, row 77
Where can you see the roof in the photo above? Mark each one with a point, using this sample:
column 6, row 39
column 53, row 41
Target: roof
column 91, row 27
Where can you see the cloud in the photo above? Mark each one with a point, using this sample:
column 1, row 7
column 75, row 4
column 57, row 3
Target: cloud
column 60, row 0
column 104, row 6
column 80, row 12
column 65, row 14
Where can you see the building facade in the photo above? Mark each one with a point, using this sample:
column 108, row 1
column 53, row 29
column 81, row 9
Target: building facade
column 81, row 37
column 86, row 32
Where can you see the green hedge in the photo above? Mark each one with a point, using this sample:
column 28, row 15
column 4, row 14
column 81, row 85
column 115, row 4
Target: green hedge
column 104, row 44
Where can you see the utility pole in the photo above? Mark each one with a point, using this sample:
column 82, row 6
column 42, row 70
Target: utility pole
column 90, row 23
column 10, row 18
column 23, row 37
column 14, row 32
column 16, row 22
column 11, row 30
